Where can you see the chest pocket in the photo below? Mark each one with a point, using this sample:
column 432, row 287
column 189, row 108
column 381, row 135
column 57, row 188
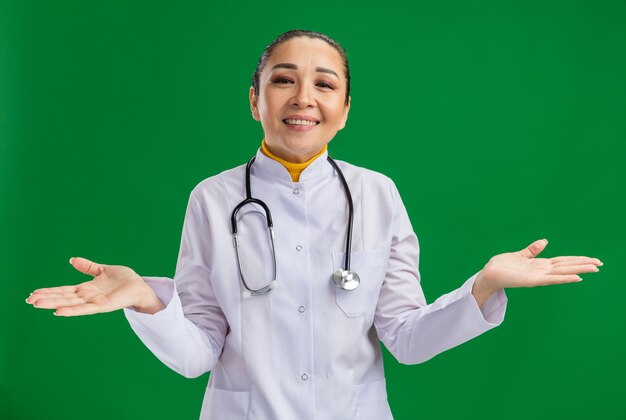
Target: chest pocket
column 371, row 267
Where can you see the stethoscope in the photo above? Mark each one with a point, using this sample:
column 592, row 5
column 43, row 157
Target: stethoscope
column 343, row 278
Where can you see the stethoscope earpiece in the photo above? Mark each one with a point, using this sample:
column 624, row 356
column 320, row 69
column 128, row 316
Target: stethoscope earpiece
column 346, row 279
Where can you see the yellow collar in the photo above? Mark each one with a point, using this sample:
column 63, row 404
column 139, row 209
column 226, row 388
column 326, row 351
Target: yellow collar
column 294, row 169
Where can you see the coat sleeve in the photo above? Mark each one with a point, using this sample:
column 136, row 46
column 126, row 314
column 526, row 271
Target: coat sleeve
column 188, row 334
column 412, row 330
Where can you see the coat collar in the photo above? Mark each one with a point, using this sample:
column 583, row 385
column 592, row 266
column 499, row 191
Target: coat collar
column 318, row 169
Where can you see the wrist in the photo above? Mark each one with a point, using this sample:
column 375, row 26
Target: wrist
column 483, row 285
column 481, row 289
column 150, row 303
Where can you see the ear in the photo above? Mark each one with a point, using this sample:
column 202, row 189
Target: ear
column 254, row 107
column 346, row 110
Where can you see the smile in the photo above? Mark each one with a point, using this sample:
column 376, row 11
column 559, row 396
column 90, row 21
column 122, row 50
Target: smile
column 300, row 122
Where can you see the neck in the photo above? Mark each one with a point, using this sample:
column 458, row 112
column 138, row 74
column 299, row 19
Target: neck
column 294, row 169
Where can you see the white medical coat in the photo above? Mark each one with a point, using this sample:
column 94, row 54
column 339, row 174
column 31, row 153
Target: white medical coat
column 307, row 349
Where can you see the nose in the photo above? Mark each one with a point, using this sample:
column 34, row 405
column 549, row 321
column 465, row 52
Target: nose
column 304, row 96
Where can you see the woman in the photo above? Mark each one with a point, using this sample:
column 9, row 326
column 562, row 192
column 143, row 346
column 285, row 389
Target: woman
column 284, row 325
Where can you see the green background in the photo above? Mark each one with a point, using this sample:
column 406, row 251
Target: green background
column 501, row 122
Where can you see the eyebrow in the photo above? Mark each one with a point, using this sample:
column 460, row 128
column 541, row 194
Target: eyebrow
column 294, row 67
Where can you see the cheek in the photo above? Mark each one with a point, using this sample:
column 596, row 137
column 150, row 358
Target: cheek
column 334, row 113
column 265, row 113
column 269, row 108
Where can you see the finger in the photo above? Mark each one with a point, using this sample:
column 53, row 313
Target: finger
column 86, row 266
column 557, row 261
column 574, row 269
column 549, row 279
column 34, row 297
column 534, row 249
column 60, row 289
column 57, row 303
column 85, row 309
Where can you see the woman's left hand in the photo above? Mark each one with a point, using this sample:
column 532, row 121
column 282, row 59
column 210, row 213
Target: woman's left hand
column 523, row 269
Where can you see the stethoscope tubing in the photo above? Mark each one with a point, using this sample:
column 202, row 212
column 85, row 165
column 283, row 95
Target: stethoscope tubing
column 270, row 225
column 350, row 212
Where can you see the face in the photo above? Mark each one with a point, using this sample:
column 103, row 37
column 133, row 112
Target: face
column 301, row 101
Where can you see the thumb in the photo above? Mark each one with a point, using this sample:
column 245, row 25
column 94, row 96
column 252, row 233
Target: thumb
column 86, row 266
column 534, row 249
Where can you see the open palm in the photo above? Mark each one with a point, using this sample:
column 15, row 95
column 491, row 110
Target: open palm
column 112, row 287
column 523, row 269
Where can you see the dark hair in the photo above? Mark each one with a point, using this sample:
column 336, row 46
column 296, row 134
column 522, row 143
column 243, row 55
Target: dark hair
column 295, row 34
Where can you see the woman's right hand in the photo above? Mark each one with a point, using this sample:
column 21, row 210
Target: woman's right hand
column 112, row 287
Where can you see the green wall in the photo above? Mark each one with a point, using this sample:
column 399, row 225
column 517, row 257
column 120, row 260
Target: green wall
column 501, row 122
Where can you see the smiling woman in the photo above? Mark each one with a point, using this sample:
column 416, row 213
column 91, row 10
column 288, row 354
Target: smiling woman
column 297, row 336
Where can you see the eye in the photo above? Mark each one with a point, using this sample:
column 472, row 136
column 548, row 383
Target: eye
column 281, row 80
column 324, row 85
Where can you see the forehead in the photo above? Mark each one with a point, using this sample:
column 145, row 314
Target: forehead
column 305, row 52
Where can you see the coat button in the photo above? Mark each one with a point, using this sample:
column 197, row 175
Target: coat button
column 301, row 309
column 296, row 191
column 299, row 248
column 304, row 376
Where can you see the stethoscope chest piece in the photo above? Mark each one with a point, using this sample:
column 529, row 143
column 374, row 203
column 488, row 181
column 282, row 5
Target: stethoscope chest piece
column 346, row 279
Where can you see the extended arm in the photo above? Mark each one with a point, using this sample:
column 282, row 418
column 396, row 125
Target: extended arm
column 415, row 332
column 179, row 321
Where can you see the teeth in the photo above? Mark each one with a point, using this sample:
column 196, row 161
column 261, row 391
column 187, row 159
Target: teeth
column 300, row 122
